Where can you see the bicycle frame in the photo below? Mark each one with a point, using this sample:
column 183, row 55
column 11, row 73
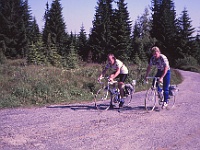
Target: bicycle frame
column 104, row 91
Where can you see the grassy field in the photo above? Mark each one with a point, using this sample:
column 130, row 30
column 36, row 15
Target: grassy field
column 27, row 86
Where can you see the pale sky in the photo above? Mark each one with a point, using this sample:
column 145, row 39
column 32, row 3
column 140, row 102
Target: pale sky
column 78, row 12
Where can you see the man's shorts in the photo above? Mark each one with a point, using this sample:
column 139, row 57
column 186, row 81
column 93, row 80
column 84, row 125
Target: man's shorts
column 122, row 77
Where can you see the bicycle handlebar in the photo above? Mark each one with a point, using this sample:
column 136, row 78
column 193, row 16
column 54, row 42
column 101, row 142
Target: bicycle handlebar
column 109, row 82
column 153, row 78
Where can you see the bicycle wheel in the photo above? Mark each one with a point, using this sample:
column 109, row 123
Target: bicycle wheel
column 150, row 100
column 171, row 102
column 102, row 99
column 129, row 97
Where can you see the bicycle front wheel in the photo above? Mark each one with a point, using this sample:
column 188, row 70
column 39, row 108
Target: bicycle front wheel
column 102, row 99
column 150, row 99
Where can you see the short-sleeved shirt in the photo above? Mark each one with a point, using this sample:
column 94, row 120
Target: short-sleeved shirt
column 160, row 63
column 116, row 65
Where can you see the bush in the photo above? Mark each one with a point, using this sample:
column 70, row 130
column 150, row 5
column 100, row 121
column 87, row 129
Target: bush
column 188, row 63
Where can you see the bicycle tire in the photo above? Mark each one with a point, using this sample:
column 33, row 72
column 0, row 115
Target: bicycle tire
column 102, row 99
column 150, row 99
column 130, row 96
column 171, row 102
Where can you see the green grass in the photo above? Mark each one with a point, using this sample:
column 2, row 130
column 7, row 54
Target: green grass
column 25, row 86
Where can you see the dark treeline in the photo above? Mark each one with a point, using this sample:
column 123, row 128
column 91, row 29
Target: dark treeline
column 112, row 32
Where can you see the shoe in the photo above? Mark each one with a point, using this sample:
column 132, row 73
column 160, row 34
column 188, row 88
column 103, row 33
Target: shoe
column 111, row 106
column 121, row 103
column 164, row 105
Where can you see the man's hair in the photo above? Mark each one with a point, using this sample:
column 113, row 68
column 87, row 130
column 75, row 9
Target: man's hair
column 155, row 49
column 112, row 55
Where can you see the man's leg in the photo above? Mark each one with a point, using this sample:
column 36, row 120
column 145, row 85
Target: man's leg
column 120, row 86
column 166, row 83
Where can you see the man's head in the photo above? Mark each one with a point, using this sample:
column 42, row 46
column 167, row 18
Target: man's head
column 111, row 59
column 156, row 51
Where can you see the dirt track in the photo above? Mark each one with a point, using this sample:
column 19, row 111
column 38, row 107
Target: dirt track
column 82, row 127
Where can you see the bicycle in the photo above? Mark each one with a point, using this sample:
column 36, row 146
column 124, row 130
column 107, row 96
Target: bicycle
column 153, row 93
column 109, row 94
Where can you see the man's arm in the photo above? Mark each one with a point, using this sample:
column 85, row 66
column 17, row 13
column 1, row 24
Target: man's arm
column 116, row 74
column 148, row 70
column 102, row 73
column 164, row 73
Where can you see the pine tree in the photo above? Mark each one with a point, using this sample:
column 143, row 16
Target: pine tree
column 142, row 40
column 54, row 24
column 197, row 40
column 13, row 29
column 72, row 58
column 46, row 30
column 82, row 44
column 187, row 46
column 34, row 32
column 121, row 31
column 51, row 54
column 100, row 37
column 27, row 18
column 164, row 27
column 36, row 53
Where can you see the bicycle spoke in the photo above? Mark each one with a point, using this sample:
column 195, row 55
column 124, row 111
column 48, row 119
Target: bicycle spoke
column 102, row 99
column 150, row 100
column 171, row 102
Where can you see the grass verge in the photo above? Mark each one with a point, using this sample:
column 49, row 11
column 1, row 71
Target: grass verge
column 25, row 86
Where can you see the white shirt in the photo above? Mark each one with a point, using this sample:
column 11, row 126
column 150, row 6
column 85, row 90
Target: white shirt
column 160, row 63
column 116, row 65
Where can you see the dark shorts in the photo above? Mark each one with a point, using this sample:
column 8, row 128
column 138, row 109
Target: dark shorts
column 122, row 77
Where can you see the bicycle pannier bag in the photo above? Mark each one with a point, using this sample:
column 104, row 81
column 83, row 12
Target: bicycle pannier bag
column 173, row 90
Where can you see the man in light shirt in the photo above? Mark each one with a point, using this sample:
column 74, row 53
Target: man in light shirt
column 120, row 71
column 161, row 62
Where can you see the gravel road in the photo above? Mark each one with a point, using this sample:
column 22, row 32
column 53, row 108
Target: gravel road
column 82, row 127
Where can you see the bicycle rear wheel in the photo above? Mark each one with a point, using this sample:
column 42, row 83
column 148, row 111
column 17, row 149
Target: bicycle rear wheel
column 102, row 99
column 150, row 99
column 129, row 95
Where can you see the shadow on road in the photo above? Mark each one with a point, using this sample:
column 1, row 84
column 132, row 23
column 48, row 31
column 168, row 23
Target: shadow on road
column 100, row 108
column 74, row 107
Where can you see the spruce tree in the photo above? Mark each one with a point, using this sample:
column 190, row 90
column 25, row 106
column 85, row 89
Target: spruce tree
column 83, row 44
column 164, row 27
column 197, row 40
column 101, row 33
column 13, row 29
column 34, row 32
column 187, row 46
column 46, row 30
column 57, row 26
column 121, row 31
column 72, row 58
column 51, row 54
column 142, row 40
column 36, row 53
